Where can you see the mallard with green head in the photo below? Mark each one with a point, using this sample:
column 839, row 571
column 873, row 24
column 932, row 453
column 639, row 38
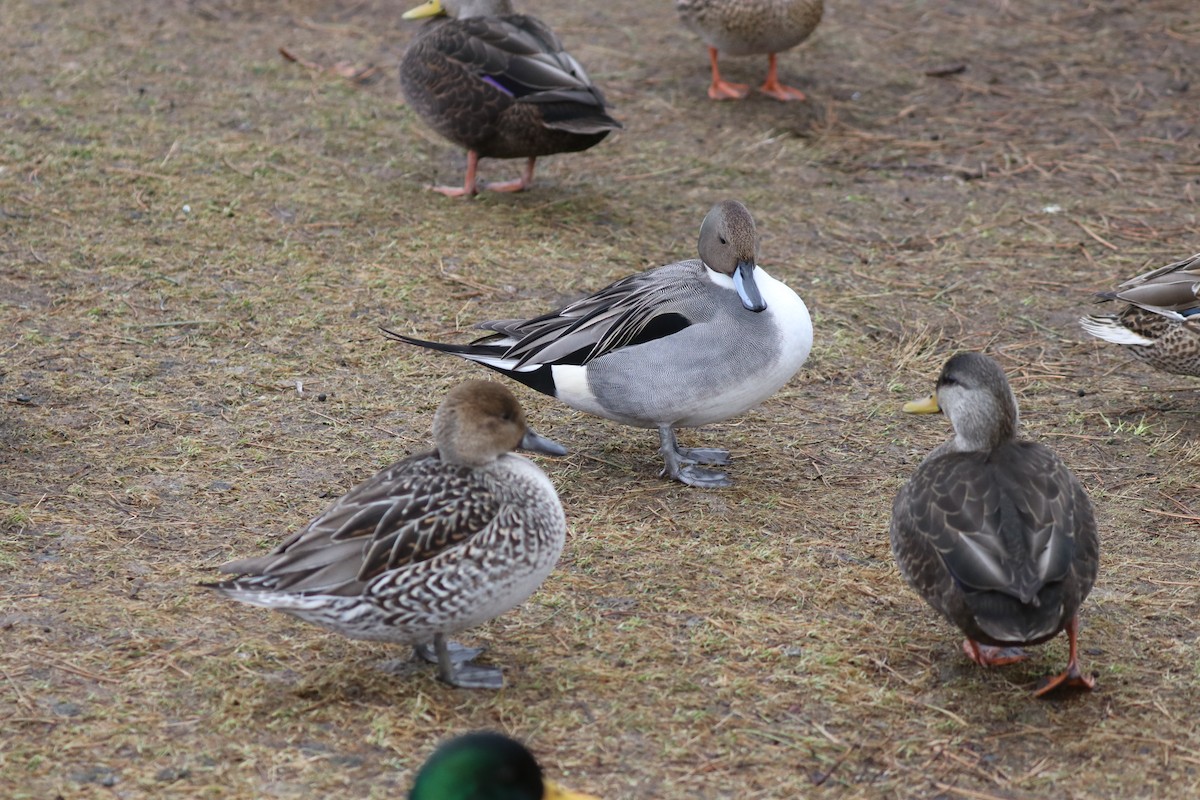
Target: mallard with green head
column 1160, row 322
column 500, row 85
column 486, row 766
column 994, row 531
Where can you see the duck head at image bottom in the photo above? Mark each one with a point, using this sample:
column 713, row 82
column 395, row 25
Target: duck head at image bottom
column 486, row 766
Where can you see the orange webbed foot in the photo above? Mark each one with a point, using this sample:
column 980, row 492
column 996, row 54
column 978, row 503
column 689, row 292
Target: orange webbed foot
column 1069, row 679
column 1072, row 677
column 721, row 89
column 468, row 189
column 725, row 90
column 773, row 88
column 781, row 92
column 985, row 655
column 520, row 184
column 517, row 185
column 453, row 191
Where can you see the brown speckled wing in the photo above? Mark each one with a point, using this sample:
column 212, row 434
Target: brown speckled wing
column 410, row 512
column 1174, row 347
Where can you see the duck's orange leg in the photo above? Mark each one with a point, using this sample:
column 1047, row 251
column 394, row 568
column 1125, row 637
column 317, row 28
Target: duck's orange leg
column 985, row 655
column 771, row 86
column 468, row 189
column 520, row 184
column 724, row 90
column 1072, row 677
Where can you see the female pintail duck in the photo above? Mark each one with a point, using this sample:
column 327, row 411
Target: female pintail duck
column 1160, row 323
column 679, row 346
column 485, row 766
column 994, row 531
column 500, row 85
column 434, row 544
column 751, row 27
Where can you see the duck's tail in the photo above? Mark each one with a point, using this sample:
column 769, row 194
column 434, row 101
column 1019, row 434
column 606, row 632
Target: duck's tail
column 1110, row 329
column 1008, row 620
column 538, row 377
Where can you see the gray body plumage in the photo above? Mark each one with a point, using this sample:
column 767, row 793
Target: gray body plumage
column 994, row 532
column 682, row 345
column 1002, row 543
column 733, row 355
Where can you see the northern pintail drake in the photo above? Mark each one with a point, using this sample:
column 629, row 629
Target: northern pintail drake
column 994, row 531
column 434, row 544
column 751, row 27
column 500, row 85
column 1160, row 323
column 483, row 765
column 680, row 346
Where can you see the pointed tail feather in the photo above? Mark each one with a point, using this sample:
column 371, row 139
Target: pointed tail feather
column 538, row 377
column 1111, row 330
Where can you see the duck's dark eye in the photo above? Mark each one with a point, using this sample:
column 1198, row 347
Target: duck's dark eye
column 722, row 238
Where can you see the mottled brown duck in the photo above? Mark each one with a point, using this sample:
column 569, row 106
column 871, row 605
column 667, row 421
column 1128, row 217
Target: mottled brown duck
column 435, row 544
column 751, row 27
column 994, row 531
column 1160, row 322
column 500, row 85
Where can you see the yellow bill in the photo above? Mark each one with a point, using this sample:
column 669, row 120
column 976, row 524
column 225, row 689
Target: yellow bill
column 429, row 9
column 555, row 792
column 928, row 405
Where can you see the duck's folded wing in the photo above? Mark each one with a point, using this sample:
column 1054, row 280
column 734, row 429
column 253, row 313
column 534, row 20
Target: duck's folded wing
column 1002, row 522
column 634, row 310
column 410, row 512
column 525, row 59
column 1190, row 264
column 1172, row 291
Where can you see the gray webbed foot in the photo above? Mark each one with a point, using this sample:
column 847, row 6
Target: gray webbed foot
column 704, row 455
column 459, row 654
column 474, row 676
column 703, row 478
column 454, row 666
column 680, row 463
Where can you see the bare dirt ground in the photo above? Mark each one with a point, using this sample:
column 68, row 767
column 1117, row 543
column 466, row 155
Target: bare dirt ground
column 193, row 229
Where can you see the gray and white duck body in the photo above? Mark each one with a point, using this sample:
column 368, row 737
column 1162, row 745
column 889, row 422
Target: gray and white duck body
column 679, row 346
column 435, row 544
column 995, row 532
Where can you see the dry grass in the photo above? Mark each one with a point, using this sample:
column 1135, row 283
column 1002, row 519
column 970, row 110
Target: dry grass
column 193, row 227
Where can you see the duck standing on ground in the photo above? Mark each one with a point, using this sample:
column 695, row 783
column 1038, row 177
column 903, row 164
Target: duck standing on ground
column 434, row 544
column 1160, row 323
column 680, row 346
column 751, row 27
column 994, row 531
column 500, row 85
column 483, row 765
